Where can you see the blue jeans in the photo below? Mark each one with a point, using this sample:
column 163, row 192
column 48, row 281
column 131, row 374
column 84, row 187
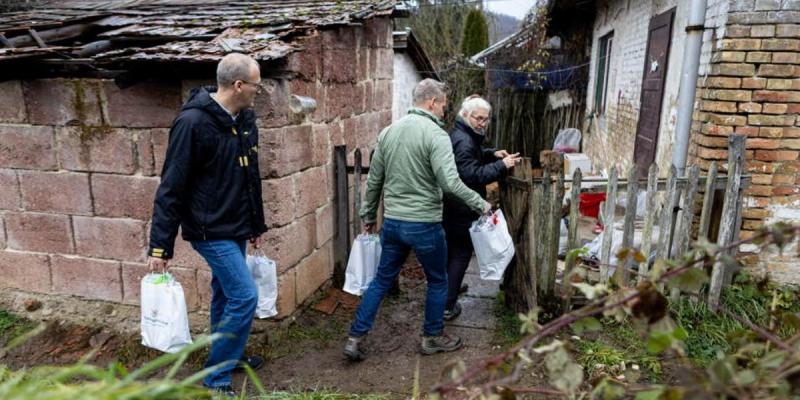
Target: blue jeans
column 233, row 302
column 397, row 240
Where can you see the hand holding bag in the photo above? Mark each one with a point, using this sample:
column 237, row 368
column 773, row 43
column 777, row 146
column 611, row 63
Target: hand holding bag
column 165, row 322
column 362, row 264
column 265, row 275
column 494, row 248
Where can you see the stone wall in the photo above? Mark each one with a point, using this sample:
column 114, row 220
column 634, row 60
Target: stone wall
column 80, row 158
column 752, row 87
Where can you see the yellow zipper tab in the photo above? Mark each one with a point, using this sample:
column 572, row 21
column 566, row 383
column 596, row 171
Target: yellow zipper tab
column 233, row 128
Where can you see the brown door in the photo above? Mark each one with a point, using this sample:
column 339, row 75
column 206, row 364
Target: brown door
column 655, row 74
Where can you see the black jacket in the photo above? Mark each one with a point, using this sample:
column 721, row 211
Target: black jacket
column 477, row 167
column 210, row 183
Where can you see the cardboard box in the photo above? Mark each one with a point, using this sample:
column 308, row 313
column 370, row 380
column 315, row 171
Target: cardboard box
column 573, row 161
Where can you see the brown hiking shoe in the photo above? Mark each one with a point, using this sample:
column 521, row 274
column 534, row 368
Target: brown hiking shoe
column 440, row 344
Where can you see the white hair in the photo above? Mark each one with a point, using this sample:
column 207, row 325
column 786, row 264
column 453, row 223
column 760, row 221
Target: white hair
column 471, row 104
column 428, row 89
column 234, row 67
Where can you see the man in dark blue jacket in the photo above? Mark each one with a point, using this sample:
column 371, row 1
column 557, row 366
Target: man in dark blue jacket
column 477, row 167
column 211, row 188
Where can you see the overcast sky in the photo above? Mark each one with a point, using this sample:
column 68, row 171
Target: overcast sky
column 514, row 8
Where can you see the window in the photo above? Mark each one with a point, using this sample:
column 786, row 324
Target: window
column 603, row 61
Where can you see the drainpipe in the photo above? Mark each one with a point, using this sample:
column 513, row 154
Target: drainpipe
column 686, row 92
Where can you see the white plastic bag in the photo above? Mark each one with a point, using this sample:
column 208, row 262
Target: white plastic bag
column 165, row 323
column 494, row 248
column 362, row 264
column 265, row 275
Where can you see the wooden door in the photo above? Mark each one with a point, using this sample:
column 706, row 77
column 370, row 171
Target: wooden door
column 655, row 75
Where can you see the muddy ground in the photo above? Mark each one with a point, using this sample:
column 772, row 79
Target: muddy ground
column 306, row 353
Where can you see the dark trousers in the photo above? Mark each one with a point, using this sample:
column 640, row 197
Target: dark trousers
column 459, row 252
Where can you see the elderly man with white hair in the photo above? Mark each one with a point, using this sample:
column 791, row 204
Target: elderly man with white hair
column 477, row 167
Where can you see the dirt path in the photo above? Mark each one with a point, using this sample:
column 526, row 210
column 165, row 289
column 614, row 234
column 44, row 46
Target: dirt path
column 392, row 345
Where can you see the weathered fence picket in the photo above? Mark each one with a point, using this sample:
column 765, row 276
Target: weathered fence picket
column 674, row 218
column 649, row 220
column 608, row 221
column 730, row 216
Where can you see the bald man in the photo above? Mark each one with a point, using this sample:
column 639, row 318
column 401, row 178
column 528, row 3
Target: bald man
column 211, row 188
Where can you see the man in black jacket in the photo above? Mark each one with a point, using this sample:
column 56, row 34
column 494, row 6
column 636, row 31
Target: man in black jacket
column 477, row 167
column 211, row 188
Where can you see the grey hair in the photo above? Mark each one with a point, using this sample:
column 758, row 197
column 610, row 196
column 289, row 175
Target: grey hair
column 427, row 89
column 471, row 104
column 234, row 67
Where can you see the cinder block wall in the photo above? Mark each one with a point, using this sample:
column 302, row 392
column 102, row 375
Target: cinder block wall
column 752, row 87
column 80, row 159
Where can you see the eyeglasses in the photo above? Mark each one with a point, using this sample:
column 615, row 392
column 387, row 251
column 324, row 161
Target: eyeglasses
column 480, row 119
column 259, row 86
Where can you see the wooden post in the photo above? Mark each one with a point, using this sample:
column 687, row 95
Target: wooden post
column 533, row 238
column 342, row 238
column 683, row 231
column 546, row 242
column 555, row 232
column 627, row 231
column 737, row 220
column 356, row 191
column 608, row 224
column 708, row 200
column 649, row 220
column 665, row 222
column 572, row 238
column 729, row 214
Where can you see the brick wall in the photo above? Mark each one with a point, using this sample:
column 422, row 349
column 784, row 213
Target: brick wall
column 609, row 137
column 80, row 158
column 752, row 87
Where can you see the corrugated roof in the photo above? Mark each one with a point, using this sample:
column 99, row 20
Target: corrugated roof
column 172, row 30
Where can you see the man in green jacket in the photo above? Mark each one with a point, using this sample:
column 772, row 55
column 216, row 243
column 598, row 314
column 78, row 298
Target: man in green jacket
column 413, row 165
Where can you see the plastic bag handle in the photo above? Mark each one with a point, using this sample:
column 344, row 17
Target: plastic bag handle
column 259, row 252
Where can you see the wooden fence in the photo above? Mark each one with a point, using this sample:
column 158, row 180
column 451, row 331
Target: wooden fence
column 346, row 219
column 533, row 206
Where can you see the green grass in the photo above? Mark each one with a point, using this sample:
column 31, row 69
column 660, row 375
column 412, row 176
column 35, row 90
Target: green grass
column 507, row 327
column 713, row 332
column 13, row 326
column 615, row 344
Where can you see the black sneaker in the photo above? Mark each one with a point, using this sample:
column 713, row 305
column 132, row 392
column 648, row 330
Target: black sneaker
column 440, row 344
column 453, row 313
column 353, row 348
column 225, row 390
column 255, row 363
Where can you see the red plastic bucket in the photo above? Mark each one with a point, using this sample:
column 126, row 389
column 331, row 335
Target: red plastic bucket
column 589, row 205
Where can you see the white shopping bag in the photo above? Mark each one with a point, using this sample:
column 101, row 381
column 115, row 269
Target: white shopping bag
column 362, row 264
column 265, row 275
column 165, row 323
column 493, row 246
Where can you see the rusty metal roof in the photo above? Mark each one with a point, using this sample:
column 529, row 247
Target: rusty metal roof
column 172, row 30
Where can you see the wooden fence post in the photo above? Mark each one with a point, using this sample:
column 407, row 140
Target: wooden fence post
column 543, row 249
column 624, row 266
column 649, row 220
column 356, row 191
column 729, row 215
column 342, row 239
column 608, row 224
column 683, row 231
column 708, row 199
column 572, row 238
